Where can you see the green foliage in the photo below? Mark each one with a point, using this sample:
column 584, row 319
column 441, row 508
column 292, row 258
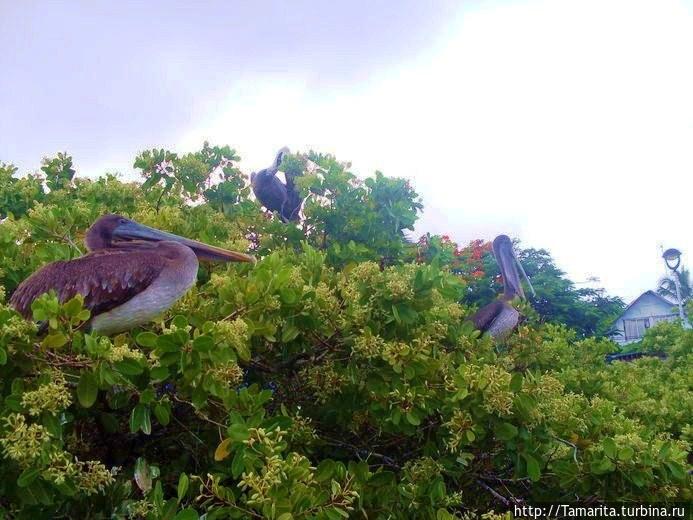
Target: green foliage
column 321, row 383
column 667, row 286
column 58, row 171
column 355, row 219
column 17, row 194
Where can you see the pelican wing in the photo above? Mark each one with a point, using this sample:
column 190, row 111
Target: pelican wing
column 106, row 279
column 270, row 191
column 292, row 204
column 483, row 318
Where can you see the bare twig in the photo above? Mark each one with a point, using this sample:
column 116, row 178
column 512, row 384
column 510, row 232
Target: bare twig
column 360, row 452
column 495, row 493
column 235, row 314
column 568, row 443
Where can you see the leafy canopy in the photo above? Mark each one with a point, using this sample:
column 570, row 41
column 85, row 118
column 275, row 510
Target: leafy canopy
column 337, row 376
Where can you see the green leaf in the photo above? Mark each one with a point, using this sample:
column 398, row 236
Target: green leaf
column 3, row 356
column 168, row 510
column 52, row 424
column 167, row 343
column 325, row 470
column 183, row 483
column 677, row 471
column 382, row 478
column 609, row 447
column 626, row 453
column 56, row 340
column 395, row 313
column 238, row 432
column 516, row 382
column 28, row 476
column 360, row 470
column 599, row 467
column 506, row 431
column 179, row 321
column 129, row 367
column 438, row 490
column 73, row 306
column 638, row 477
column 147, row 396
column 203, row 343
column 243, row 351
column 223, row 449
column 533, row 468
column 159, row 373
column 87, row 389
column 162, row 414
column 333, row 513
column 665, row 450
column 238, row 463
column 143, row 475
column 413, row 418
column 146, row 339
column 140, row 419
column 289, row 333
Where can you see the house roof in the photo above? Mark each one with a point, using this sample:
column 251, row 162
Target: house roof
column 650, row 293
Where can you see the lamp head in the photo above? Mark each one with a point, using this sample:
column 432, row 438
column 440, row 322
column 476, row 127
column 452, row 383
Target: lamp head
column 672, row 257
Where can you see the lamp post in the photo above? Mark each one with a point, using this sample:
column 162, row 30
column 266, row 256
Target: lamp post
column 672, row 257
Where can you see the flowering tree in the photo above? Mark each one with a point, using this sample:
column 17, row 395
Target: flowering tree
column 338, row 377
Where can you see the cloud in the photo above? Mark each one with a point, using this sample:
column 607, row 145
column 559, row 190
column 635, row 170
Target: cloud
column 567, row 124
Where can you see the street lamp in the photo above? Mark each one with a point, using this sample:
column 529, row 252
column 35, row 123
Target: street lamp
column 672, row 257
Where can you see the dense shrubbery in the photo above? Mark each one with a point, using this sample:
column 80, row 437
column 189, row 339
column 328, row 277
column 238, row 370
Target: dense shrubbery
column 335, row 377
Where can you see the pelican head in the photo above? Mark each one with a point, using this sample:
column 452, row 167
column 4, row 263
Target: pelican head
column 115, row 230
column 271, row 170
column 509, row 264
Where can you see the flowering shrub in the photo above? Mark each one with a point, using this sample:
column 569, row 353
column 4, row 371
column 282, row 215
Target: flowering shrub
column 320, row 383
column 466, row 262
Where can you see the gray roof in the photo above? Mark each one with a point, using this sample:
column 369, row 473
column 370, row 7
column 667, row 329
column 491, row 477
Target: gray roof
column 652, row 293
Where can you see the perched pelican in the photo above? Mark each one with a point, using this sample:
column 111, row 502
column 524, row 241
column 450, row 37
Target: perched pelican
column 499, row 317
column 273, row 193
column 131, row 274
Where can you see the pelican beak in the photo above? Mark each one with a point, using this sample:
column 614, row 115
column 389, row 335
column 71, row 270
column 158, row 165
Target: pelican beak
column 509, row 264
column 134, row 231
column 279, row 158
column 524, row 274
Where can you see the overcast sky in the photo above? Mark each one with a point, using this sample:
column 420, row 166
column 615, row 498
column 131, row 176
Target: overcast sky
column 567, row 124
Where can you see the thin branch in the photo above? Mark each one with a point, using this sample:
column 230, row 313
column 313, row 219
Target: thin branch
column 235, row 314
column 567, row 443
column 499, row 480
column 497, row 496
column 389, row 461
column 57, row 360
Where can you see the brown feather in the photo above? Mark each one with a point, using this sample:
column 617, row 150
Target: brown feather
column 483, row 318
column 105, row 278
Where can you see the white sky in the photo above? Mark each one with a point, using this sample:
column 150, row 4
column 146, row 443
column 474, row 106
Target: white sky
column 568, row 124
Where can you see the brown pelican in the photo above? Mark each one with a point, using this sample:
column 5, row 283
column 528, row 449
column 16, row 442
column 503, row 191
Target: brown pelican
column 273, row 193
column 131, row 275
column 499, row 317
